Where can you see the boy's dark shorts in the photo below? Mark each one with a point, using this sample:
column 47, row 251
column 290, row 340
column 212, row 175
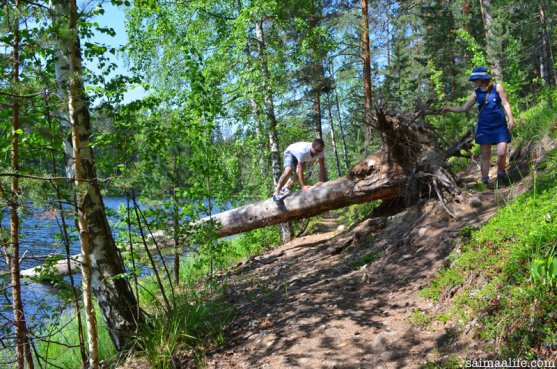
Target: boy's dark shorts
column 290, row 160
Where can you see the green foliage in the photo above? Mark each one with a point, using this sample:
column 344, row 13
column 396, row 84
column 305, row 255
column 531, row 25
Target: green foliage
column 191, row 322
column 255, row 241
column 544, row 271
column 61, row 350
column 358, row 212
column 540, row 120
column 505, row 275
column 420, row 318
column 452, row 362
column 477, row 51
column 366, row 259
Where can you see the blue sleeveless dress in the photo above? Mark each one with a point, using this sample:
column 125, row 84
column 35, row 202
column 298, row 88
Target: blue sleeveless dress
column 491, row 127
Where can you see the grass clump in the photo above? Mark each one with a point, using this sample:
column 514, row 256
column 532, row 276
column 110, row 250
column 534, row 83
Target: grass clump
column 504, row 275
column 356, row 213
column 366, row 259
column 61, row 350
column 194, row 325
column 199, row 311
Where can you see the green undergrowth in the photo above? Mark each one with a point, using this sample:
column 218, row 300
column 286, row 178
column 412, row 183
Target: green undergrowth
column 61, row 350
column 354, row 214
column 198, row 312
column 191, row 323
column 505, row 274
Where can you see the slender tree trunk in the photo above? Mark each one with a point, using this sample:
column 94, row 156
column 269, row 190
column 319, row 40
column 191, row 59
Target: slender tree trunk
column 23, row 349
column 256, row 112
column 317, row 107
column 286, row 228
column 548, row 61
column 491, row 40
column 82, row 193
column 176, row 219
column 114, row 295
column 466, row 14
column 366, row 57
column 333, row 141
column 64, row 231
column 318, row 72
column 388, row 37
column 339, row 114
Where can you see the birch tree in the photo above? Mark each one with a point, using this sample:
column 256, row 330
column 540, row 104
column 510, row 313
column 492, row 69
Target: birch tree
column 103, row 268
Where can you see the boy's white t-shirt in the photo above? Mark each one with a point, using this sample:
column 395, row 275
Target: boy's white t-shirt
column 301, row 150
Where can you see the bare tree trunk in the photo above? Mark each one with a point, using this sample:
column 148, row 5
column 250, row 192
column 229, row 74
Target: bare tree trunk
column 374, row 180
column 317, row 112
column 491, row 40
column 114, row 294
column 65, row 236
column 366, row 58
column 83, row 188
column 333, row 141
column 286, row 229
column 176, row 223
column 23, row 350
column 547, row 67
column 339, row 114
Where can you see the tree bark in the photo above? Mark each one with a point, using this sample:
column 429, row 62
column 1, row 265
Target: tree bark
column 333, row 141
column 114, row 294
column 286, row 229
column 83, row 188
column 339, row 114
column 23, row 351
column 547, row 67
column 366, row 58
column 370, row 180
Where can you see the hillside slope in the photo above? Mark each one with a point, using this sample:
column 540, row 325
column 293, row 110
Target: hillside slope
column 352, row 300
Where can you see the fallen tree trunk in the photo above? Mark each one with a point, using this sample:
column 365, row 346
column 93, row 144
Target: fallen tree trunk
column 411, row 164
column 367, row 181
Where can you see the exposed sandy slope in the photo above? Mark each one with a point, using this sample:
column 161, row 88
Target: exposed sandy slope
column 303, row 305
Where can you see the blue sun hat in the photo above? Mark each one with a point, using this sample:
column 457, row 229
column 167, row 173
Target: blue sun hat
column 479, row 73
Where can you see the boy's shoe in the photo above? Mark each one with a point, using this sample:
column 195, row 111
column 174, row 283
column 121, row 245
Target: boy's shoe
column 277, row 198
column 284, row 191
column 485, row 180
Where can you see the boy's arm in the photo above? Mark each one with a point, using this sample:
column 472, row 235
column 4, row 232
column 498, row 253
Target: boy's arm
column 300, row 175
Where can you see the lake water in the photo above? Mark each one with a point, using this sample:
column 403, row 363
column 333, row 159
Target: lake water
column 40, row 238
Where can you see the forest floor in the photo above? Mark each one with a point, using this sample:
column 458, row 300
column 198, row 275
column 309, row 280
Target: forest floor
column 350, row 298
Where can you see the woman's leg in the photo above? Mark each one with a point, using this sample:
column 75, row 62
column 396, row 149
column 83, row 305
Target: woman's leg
column 485, row 163
column 501, row 157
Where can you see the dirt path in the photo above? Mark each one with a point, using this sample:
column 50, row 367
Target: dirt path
column 315, row 302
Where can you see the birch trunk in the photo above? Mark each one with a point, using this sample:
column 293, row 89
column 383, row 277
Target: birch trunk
column 286, row 229
column 113, row 293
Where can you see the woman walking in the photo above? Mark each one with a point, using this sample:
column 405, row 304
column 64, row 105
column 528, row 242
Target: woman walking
column 491, row 127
